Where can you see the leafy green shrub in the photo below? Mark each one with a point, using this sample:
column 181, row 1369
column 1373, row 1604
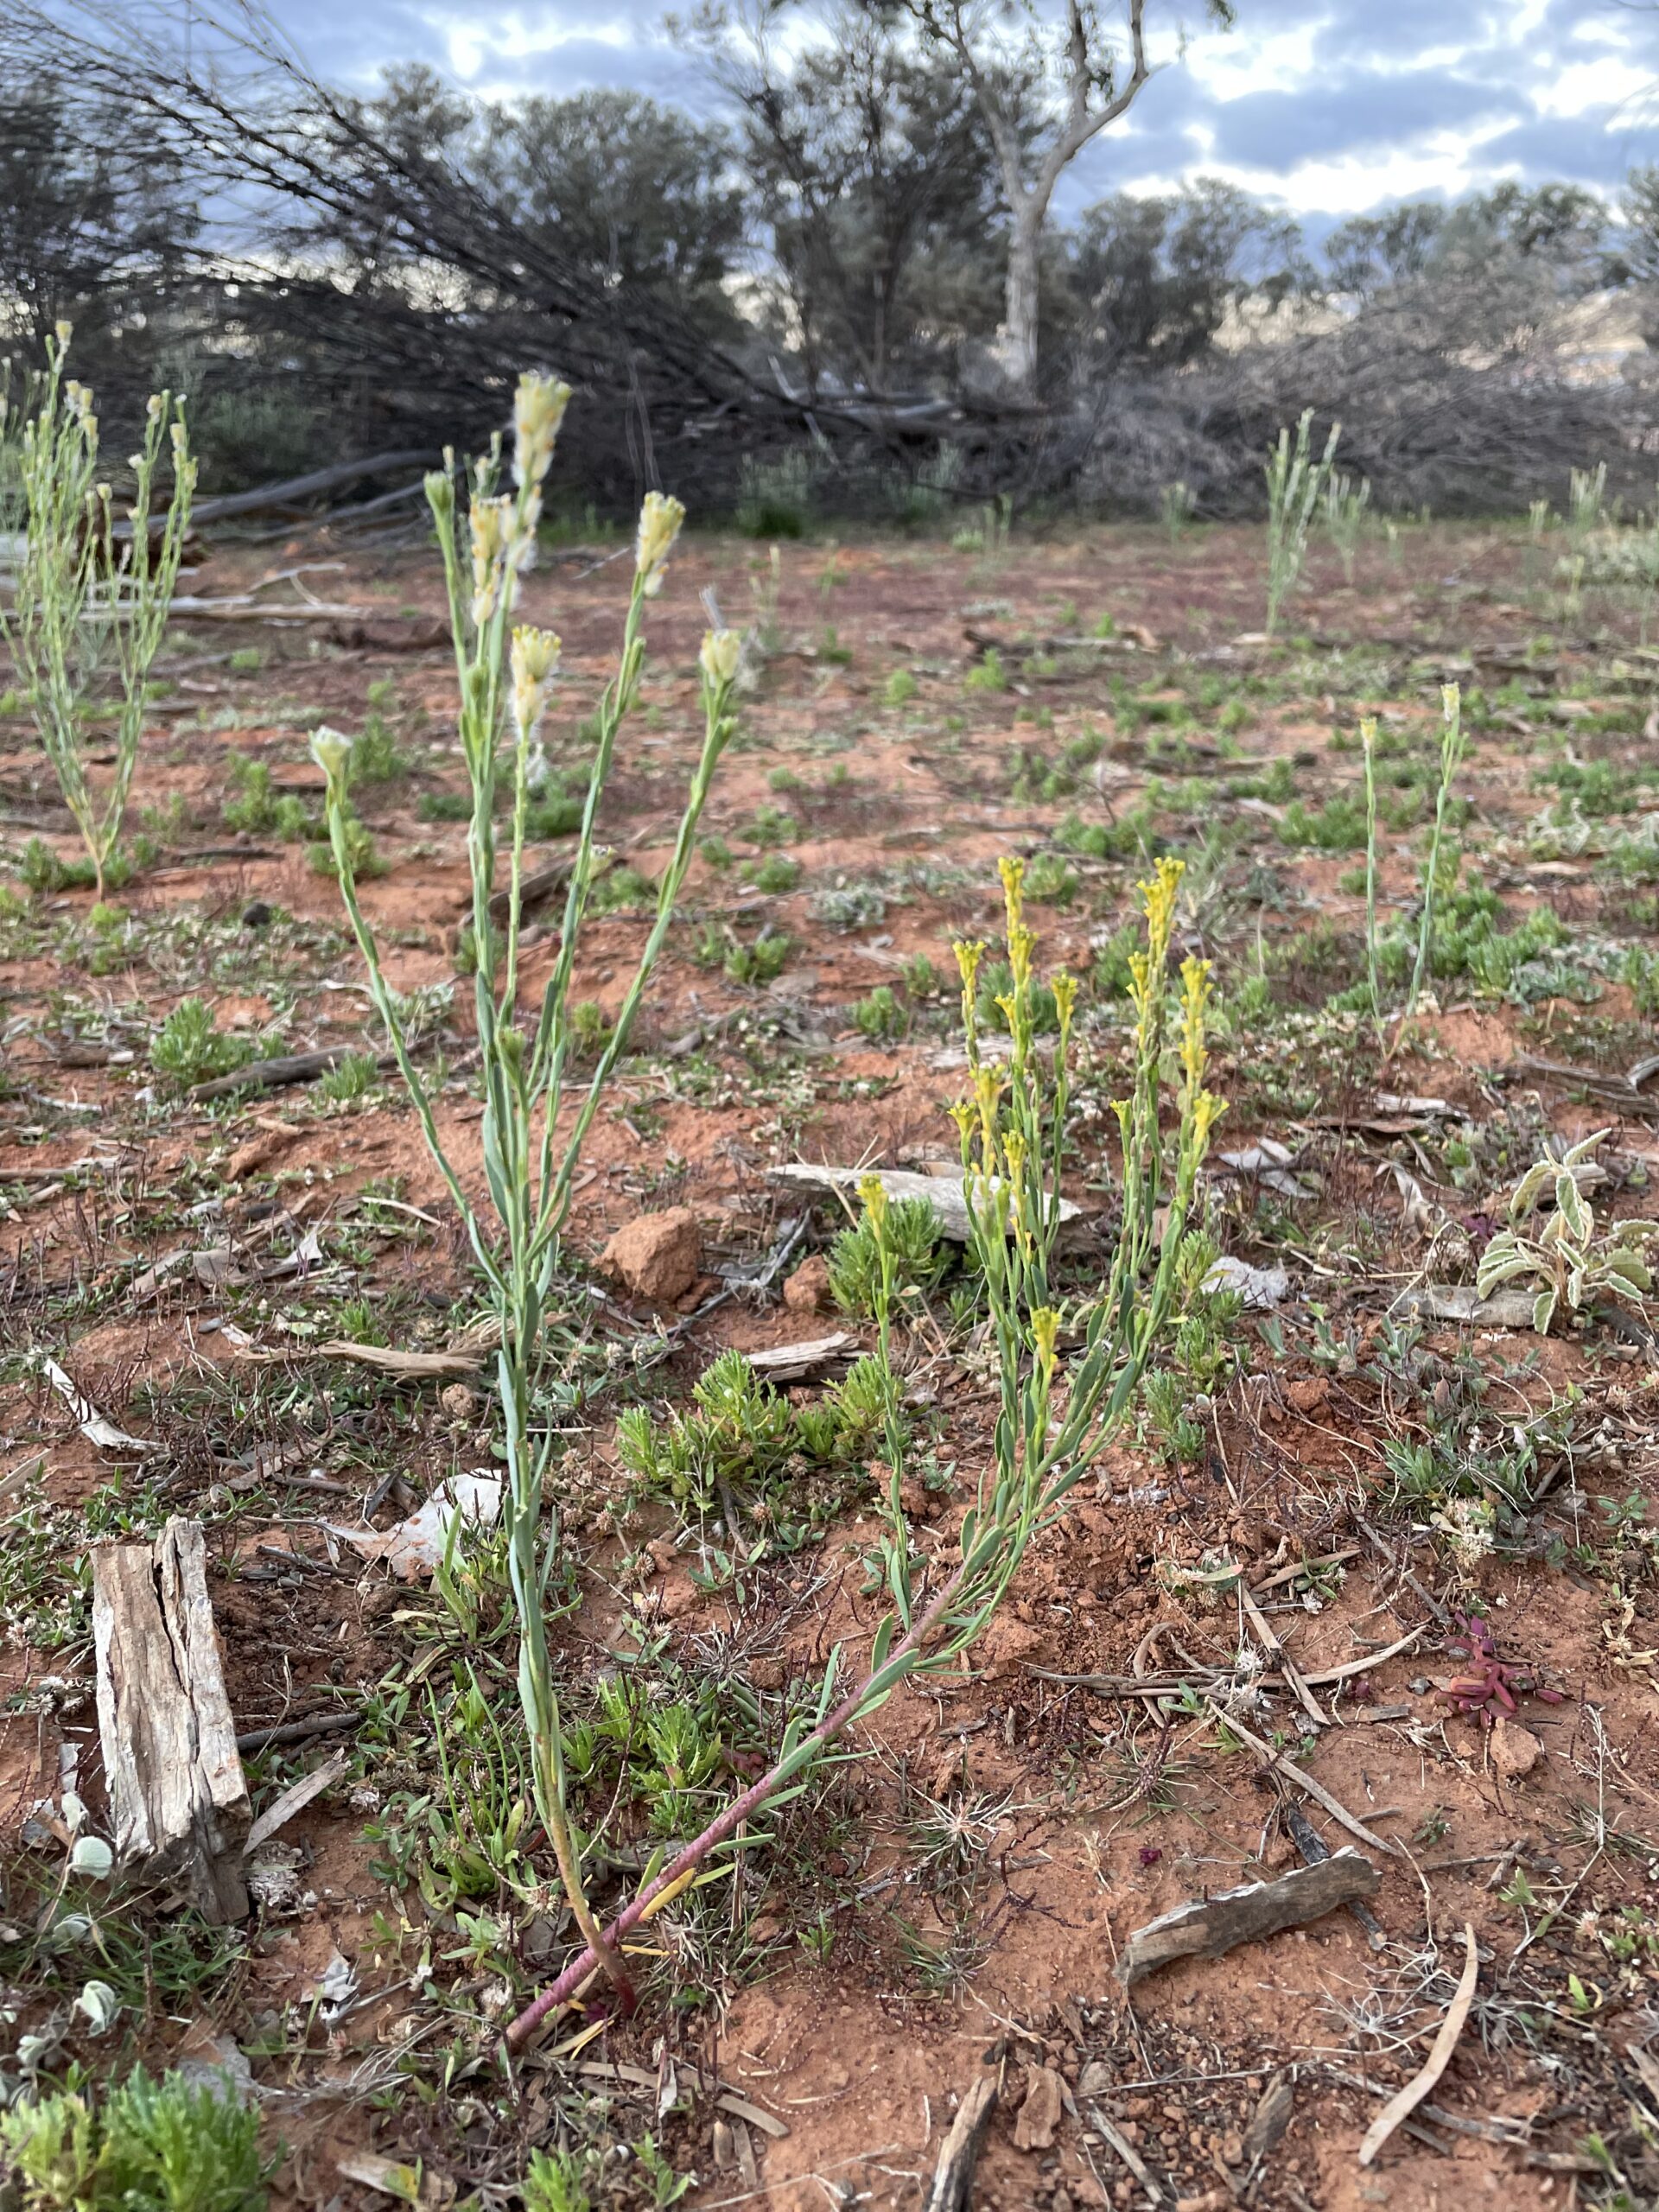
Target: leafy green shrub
column 258, row 810
column 165, row 2145
column 995, row 987
column 777, row 872
column 1132, row 836
column 988, row 673
column 376, row 757
column 916, row 1253
column 352, row 1077
column 901, row 688
column 879, row 1017
column 761, row 962
column 923, row 979
column 1338, row 827
column 554, row 2182
column 737, row 1429
column 1051, row 877
column 776, row 499
column 189, row 1047
column 773, row 825
column 715, row 851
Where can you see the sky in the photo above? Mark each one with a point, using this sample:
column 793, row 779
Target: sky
column 1328, row 107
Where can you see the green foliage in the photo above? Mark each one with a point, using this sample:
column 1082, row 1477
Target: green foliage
column 988, row 673
column 1339, row 826
column 762, row 960
column 1051, row 878
column 190, row 1048
column 772, row 825
column 1296, row 483
column 778, row 873
column 991, row 999
column 1176, row 505
column 351, row 1078
column 259, row 810
column 554, row 2181
column 376, row 757
column 916, row 1254
column 166, row 2145
column 923, row 977
column 776, row 499
column 901, row 689
column 879, row 1016
column 1570, row 1259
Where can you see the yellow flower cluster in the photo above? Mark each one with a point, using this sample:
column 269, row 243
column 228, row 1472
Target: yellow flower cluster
column 719, row 653
column 538, row 408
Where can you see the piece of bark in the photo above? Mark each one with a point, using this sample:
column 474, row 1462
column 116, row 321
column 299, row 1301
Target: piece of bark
column 953, row 2177
column 789, row 1362
column 1315, row 1850
column 318, row 482
column 178, row 1801
column 540, row 883
column 283, row 1068
column 1206, row 1928
column 944, row 1192
column 1459, row 1302
column 1040, row 2114
column 1270, row 2119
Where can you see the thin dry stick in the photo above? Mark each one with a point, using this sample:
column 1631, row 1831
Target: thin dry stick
column 1405, row 2101
column 1316, row 1790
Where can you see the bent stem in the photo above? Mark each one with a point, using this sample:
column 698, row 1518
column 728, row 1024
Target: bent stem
column 1011, row 1152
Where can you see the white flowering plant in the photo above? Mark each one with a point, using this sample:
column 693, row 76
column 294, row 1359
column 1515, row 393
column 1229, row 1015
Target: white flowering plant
column 536, row 1119
column 91, row 596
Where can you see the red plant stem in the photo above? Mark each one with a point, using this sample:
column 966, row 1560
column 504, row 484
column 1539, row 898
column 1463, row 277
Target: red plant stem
column 727, row 1824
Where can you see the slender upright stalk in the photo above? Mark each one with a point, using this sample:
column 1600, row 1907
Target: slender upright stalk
column 1368, row 745
column 505, row 674
column 1451, row 751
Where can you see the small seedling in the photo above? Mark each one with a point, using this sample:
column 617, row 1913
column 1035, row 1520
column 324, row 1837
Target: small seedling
column 1569, row 1259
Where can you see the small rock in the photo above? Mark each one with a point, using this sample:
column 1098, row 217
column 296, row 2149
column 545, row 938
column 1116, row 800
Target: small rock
column 1097, row 2079
column 656, row 1257
column 724, row 2145
column 807, row 1290
column 255, row 915
column 1515, row 1750
column 458, row 1401
column 1005, row 1644
column 1040, row 2115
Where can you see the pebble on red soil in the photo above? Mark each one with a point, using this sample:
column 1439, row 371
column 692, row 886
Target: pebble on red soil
column 657, row 1256
column 807, row 1290
column 1515, row 1750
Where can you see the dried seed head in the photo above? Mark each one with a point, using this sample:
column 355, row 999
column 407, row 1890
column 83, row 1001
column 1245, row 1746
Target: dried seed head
column 499, row 552
column 660, row 518
column 65, row 330
column 154, row 407
column 538, row 411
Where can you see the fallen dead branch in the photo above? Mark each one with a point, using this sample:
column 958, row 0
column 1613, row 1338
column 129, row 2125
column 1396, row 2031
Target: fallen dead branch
column 945, row 1193
column 1207, row 1927
column 1401, row 2107
column 281, row 1069
column 953, row 2177
column 1279, row 1764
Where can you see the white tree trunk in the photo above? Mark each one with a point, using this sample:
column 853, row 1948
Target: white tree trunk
column 1017, row 339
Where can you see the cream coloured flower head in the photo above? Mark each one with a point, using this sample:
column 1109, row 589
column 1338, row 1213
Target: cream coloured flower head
column 721, row 652
column 535, row 662
column 660, row 519
column 332, row 751
column 538, row 411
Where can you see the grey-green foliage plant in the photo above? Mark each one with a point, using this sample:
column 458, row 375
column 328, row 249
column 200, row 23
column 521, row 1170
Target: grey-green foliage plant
column 90, row 597
column 1176, row 505
column 167, row 2145
column 1569, row 1259
column 1052, row 1419
column 909, row 1245
column 1296, row 482
column 530, row 1165
column 1347, row 505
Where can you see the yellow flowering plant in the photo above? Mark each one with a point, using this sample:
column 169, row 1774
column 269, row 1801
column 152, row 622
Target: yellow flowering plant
column 1053, row 1418
column 532, row 1148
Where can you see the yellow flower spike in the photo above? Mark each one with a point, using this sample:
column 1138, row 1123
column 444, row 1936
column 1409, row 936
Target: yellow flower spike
column 1044, row 1329
column 1064, row 988
column 1009, row 1004
column 969, row 951
column 1013, row 873
column 1124, row 1108
column 1022, row 943
column 1450, row 701
column 963, row 1114
column 1159, row 893
column 872, row 1193
column 1195, row 994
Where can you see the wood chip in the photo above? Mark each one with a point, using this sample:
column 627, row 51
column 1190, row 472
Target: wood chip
column 1401, row 2106
column 788, row 1363
column 1040, row 2112
column 1206, row 1927
column 1126, row 2150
